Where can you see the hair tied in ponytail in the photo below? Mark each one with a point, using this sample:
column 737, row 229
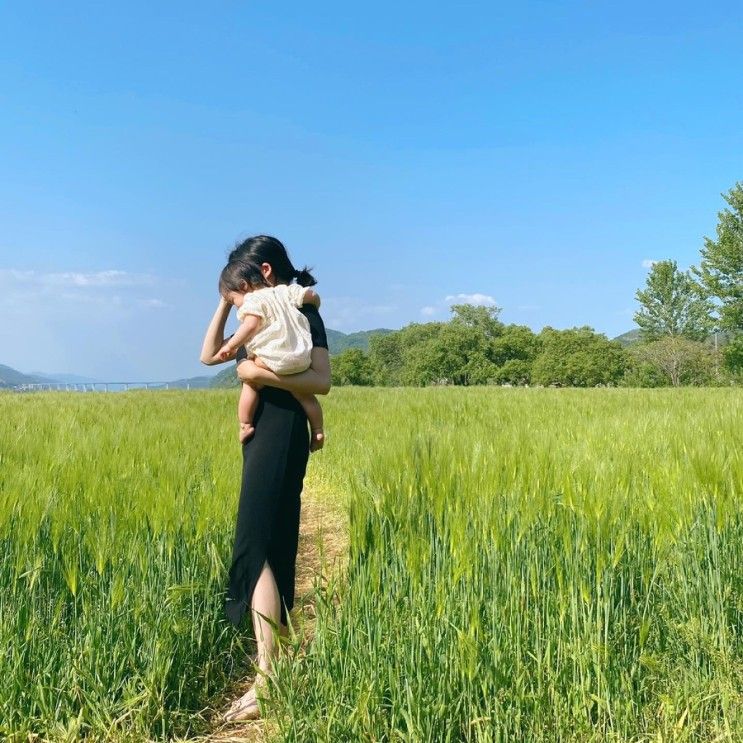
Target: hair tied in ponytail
column 304, row 277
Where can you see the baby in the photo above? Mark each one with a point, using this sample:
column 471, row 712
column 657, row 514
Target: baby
column 276, row 336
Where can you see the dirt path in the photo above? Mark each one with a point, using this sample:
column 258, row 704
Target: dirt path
column 323, row 534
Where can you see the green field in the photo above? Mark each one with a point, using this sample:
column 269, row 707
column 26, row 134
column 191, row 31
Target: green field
column 524, row 564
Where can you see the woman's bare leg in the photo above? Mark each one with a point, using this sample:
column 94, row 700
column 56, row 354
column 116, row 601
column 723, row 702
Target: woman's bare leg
column 266, row 612
column 266, row 607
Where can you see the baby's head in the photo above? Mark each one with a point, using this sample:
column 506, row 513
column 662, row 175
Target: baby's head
column 239, row 278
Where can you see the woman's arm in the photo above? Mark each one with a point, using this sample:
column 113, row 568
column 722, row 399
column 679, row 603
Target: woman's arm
column 313, row 381
column 214, row 338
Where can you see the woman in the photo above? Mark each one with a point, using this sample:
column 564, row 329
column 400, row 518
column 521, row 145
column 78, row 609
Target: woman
column 274, row 462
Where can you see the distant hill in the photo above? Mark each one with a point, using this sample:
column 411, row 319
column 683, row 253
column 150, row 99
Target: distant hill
column 337, row 343
column 64, row 378
column 634, row 336
column 226, row 378
column 628, row 338
column 194, row 383
column 10, row 377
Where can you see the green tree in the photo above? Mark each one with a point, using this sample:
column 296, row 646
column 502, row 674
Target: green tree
column 452, row 353
column 351, row 366
column 733, row 356
column 513, row 371
column 720, row 272
column 680, row 360
column 578, row 357
column 386, row 359
column 671, row 305
column 516, row 342
column 476, row 317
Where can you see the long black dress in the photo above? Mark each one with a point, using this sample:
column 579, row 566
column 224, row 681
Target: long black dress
column 274, row 463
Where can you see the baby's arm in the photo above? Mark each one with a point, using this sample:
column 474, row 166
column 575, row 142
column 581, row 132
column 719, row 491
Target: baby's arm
column 248, row 328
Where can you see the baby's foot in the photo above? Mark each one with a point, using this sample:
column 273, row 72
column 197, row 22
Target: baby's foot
column 246, row 431
column 317, row 439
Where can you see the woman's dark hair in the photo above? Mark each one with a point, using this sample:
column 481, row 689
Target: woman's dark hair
column 237, row 273
column 265, row 249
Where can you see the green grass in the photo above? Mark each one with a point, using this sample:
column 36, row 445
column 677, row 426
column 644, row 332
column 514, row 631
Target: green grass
column 523, row 565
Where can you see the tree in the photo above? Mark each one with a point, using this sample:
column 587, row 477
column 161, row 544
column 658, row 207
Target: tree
column 513, row 371
column 671, row 305
column 351, row 366
column 484, row 319
column 457, row 353
column 680, row 360
column 720, row 272
column 386, row 359
column 578, row 357
column 733, row 356
column 516, row 342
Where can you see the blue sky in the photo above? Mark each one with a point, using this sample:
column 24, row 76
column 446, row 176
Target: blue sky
column 533, row 154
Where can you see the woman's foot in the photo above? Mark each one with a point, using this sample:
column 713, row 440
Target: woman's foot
column 244, row 708
column 246, row 431
column 317, row 439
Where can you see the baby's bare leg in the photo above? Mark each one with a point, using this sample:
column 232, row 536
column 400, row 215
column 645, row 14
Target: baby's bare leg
column 314, row 416
column 246, row 410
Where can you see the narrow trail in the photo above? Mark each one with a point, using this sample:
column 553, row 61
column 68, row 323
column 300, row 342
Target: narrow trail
column 323, row 537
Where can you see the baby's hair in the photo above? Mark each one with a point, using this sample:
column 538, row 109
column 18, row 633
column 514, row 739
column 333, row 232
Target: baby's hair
column 265, row 249
column 237, row 273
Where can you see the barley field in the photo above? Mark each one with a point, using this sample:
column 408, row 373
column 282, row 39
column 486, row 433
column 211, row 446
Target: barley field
column 523, row 564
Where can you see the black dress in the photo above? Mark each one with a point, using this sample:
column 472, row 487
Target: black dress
column 274, row 463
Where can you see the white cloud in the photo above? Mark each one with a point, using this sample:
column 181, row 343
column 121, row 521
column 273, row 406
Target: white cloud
column 351, row 313
column 483, row 300
column 77, row 279
column 648, row 262
column 106, row 291
column 428, row 311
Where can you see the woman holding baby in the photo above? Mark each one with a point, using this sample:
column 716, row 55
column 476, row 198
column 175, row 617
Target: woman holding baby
column 276, row 451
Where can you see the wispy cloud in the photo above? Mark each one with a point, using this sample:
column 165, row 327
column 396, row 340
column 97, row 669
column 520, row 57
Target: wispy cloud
column 483, row 300
column 153, row 303
column 77, row 279
column 109, row 290
column 648, row 262
column 428, row 311
column 344, row 313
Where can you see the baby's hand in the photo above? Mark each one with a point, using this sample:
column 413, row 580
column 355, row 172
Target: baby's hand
column 225, row 352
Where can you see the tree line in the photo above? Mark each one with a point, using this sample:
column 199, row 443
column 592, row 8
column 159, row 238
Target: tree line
column 691, row 332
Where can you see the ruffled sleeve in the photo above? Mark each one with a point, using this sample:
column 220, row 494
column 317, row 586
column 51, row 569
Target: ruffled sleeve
column 296, row 294
column 252, row 305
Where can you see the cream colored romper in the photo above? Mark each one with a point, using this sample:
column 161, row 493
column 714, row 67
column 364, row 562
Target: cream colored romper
column 283, row 342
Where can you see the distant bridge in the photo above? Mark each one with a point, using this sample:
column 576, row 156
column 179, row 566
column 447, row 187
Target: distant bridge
column 99, row 386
